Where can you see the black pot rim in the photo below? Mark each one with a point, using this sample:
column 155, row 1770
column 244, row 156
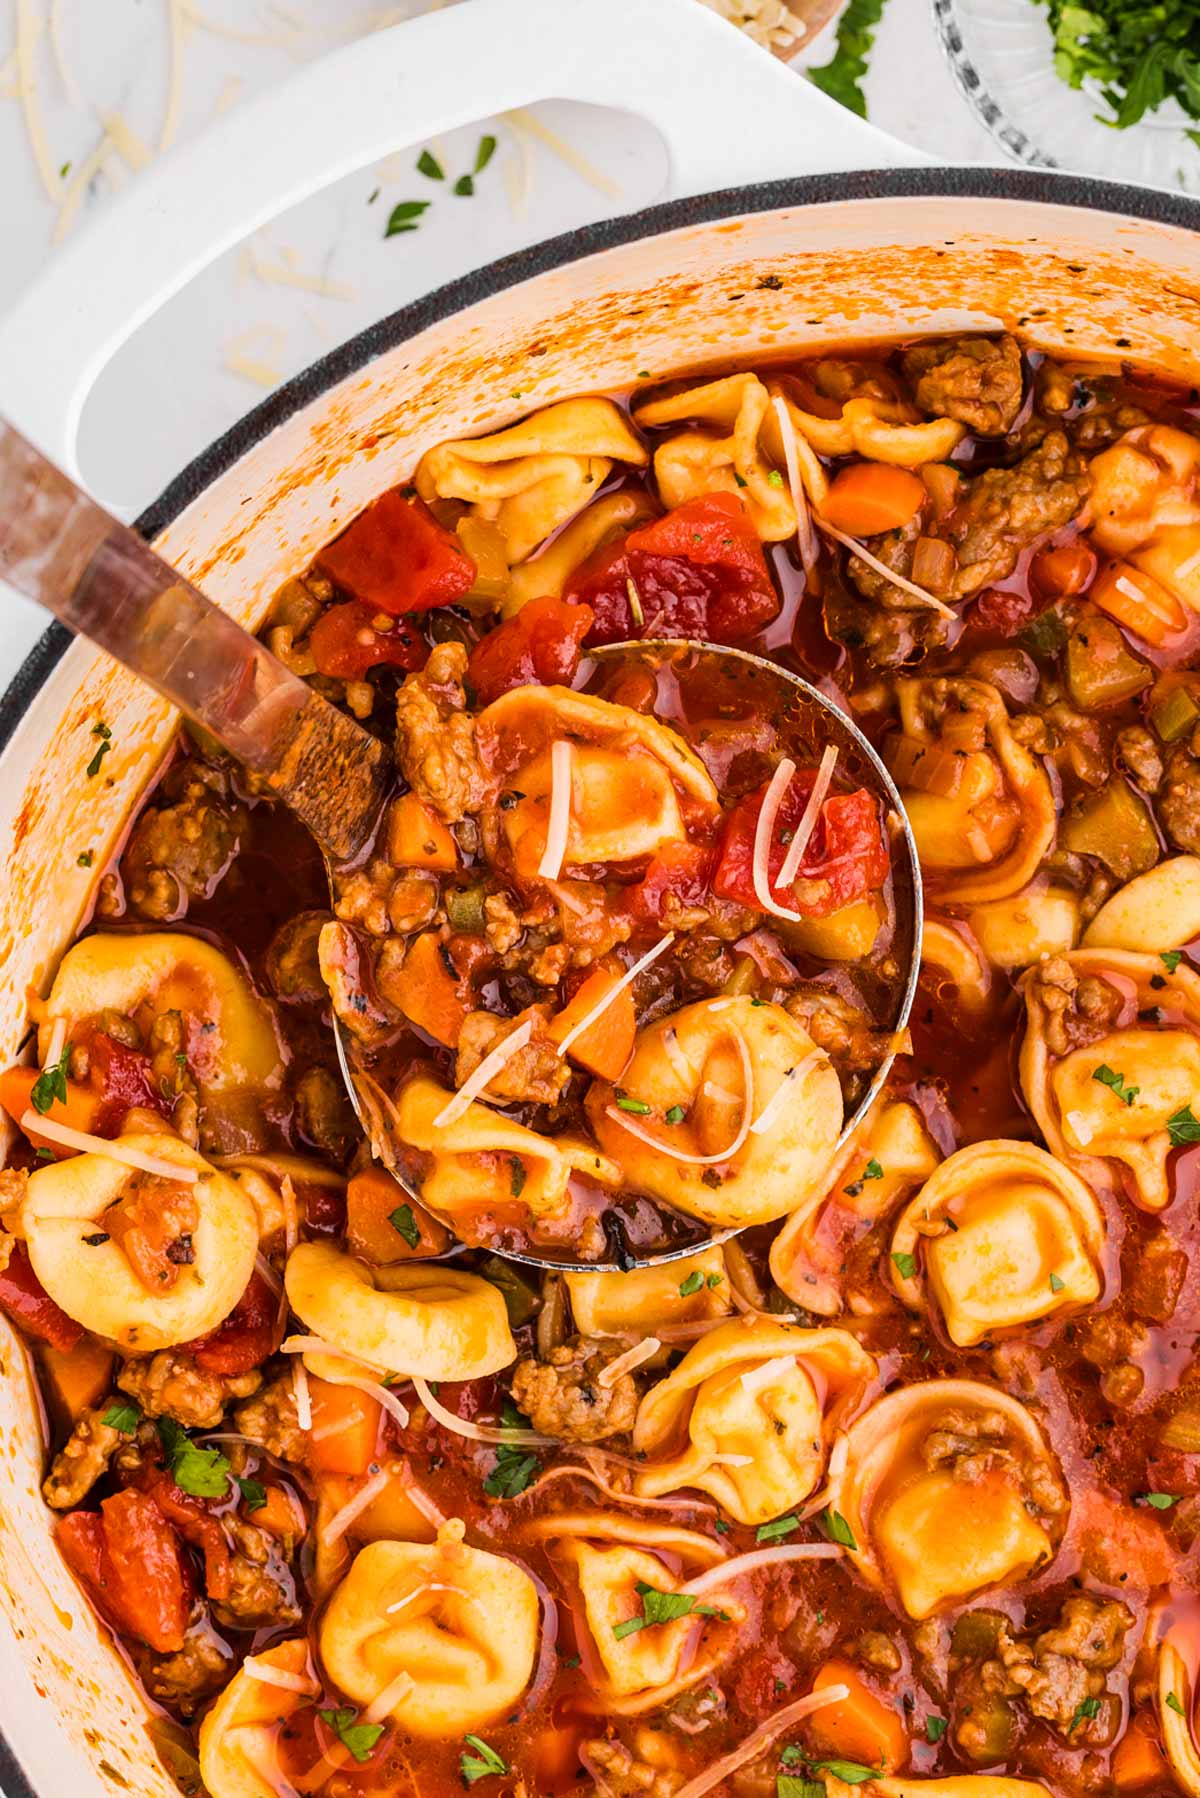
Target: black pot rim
column 1042, row 187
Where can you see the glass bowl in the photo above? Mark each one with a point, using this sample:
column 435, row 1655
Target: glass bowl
column 1001, row 54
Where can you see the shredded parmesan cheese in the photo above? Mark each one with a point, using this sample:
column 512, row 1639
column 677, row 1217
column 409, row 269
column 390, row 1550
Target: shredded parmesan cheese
column 550, row 866
column 136, row 153
column 113, row 1148
column 719, row 1770
column 291, row 1213
column 767, row 1372
column 28, row 27
column 433, row 1586
column 268, row 1275
column 58, row 50
column 286, row 274
column 641, row 1351
column 808, row 818
column 476, row 1432
column 178, row 19
column 488, row 1068
column 525, row 122
column 770, row 1111
column 1081, row 1125
column 369, row 1383
column 629, row 976
column 764, row 831
column 716, row 1578
column 387, row 1700
column 889, row 574
column 303, row 1398
column 806, row 541
column 58, row 1039
column 340, row 1522
column 263, row 1671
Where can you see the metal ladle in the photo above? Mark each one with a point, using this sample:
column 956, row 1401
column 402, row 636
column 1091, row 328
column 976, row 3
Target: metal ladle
column 62, row 550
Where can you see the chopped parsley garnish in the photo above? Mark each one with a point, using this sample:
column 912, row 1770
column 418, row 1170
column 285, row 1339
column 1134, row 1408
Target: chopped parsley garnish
column 1136, row 55
column 872, row 1171
column 664, row 1607
column 402, row 1219
column 675, row 1115
column 85, row 858
column 1161, row 1501
column 404, row 216
column 571, row 1662
column 359, row 1738
column 202, row 1472
column 102, row 731
column 714, row 1280
column 254, row 1494
column 465, row 186
column 482, row 1764
column 51, row 1083
column 1115, row 1082
column 428, row 164
column 517, row 1176
column 1084, row 1711
column 1170, row 959
column 485, row 152
column 791, row 1785
column 1173, row 1704
column 778, row 1526
column 692, row 1284
column 638, row 1106
column 842, row 77
column 721, row 1526
column 837, row 1529
column 774, row 479
column 905, row 1264
column 935, row 1728
column 1183, row 1128
column 1056, row 1285
column 515, row 1467
column 851, row 1773
column 125, row 1418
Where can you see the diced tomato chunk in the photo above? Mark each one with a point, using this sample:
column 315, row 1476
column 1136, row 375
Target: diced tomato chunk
column 345, row 643
column 680, row 871
column 397, row 558
column 845, row 859
column 540, row 644
column 195, row 1522
column 1003, row 612
column 699, row 571
column 128, row 1558
column 245, row 1338
column 25, row 1300
column 123, row 1078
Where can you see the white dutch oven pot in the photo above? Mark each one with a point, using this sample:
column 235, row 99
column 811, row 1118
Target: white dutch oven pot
column 814, row 256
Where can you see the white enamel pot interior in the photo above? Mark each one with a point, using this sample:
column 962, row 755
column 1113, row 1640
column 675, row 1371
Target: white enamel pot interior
column 807, row 260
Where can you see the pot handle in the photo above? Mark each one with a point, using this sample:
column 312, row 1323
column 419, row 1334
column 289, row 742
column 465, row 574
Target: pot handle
column 726, row 111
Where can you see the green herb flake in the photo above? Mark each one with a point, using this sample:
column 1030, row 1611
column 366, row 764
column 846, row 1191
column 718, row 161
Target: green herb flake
column 1183, row 1128
column 465, row 186
column 638, row 1106
column 85, row 858
column 428, row 164
column 664, row 1607
column 483, row 1764
column 1170, row 959
column 935, row 1728
column 201, row 1472
column 675, row 1115
column 842, row 77
column 1173, row 1704
column 402, row 1219
column 517, row 1176
column 1084, row 1711
column 515, row 1467
column 1160, row 1501
column 722, row 1527
column 790, row 1785
column 851, row 1773
column 777, row 1528
column 404, row 216
column 837, row 1529
column 485, row 152
column 254, row 1494
column 693, row 1284
column 905, row 1264
column 774, row 479
column 359, row 1738
column 571, row 1662
column 714, row 1280
column 1056, row 1285
column 125, row 1418
column 1116, row 1083
column 51, row 1083
column 872, row 1171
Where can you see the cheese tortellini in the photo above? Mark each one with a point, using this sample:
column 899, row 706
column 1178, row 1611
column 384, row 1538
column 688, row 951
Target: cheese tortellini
column 471, row 1159
column 547, row 573
column 889, row 1152
column 530, row 478
column 237, row 1737
column 956, row 1785
column 414, row 1318
column 607, row 1304
column 609, row 1557
column 948, row 1488
column 748, row 1415
column 981, row 807
column 1177, row 1665
column 1001, row 1235
column 1111, row 1056
column 229, row 1034
column 690, row 463
column 460, row 1622
column 628, row 775
column 77, row 1253
column 879, row 430
column 762, row 1112
column 1156, row 911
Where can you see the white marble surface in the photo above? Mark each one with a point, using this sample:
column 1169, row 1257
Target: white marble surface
column 170, row 391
